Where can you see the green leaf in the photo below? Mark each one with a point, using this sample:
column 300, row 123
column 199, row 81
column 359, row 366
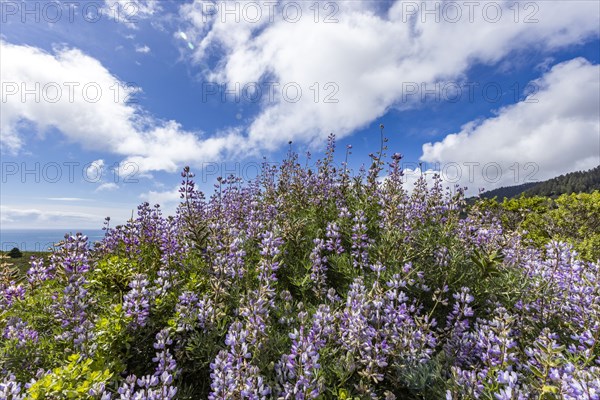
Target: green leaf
column 549, row 389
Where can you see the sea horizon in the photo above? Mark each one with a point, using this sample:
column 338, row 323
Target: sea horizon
column 41, row 239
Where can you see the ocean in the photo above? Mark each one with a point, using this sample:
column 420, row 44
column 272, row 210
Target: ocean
column 41, row 239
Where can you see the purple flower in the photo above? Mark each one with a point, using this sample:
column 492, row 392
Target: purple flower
column 360, row 241
column 298, row 371
column 157, row 386
column 37, row 272
column 71, row 309
column 334, row 239
column 136, row 303
column 19, row 331
column 233, row 375
column 318, row 267
column 10, row 293
column 10, row 389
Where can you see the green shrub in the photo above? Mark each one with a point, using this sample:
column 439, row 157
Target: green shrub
column 79, row 379
column 15, row 253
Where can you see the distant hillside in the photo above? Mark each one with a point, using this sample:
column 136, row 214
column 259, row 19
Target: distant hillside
column 508, row 191
column 574, row 182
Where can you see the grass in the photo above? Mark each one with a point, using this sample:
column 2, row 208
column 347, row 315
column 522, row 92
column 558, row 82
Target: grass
column 22, row 263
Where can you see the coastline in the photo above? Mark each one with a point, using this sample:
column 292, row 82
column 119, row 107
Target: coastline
column 40, row 240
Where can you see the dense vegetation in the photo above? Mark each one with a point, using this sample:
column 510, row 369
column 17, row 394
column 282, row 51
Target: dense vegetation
column 574, row 219
column 15, row 253
column 574, row 182
column 20, row 265
column 507, row 191
column 314, row 283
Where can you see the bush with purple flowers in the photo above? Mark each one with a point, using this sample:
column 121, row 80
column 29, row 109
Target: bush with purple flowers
column 307, row 283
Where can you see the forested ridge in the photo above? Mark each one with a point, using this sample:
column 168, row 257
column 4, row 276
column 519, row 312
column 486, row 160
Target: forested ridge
column 574, row 182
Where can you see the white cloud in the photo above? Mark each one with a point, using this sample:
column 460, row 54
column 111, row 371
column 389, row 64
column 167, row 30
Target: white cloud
column 368, row 55
column 36, row 217
column 131, row 12
column 164, row 197
column 59, row 216
column 411, row 172
column 168, row 199
column 94, row 171
column 86, row 103
column 559, row 133
column 107, row 186
column 142, row 49
column 66, row 199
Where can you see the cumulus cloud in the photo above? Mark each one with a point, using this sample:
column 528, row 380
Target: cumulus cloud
column 78, row 96
column 360, row 65
column 366, row 58
column 142, row 49
column 94, row 171
column 552, row 133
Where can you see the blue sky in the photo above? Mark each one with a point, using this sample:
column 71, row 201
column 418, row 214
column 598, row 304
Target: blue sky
column 489, row 93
